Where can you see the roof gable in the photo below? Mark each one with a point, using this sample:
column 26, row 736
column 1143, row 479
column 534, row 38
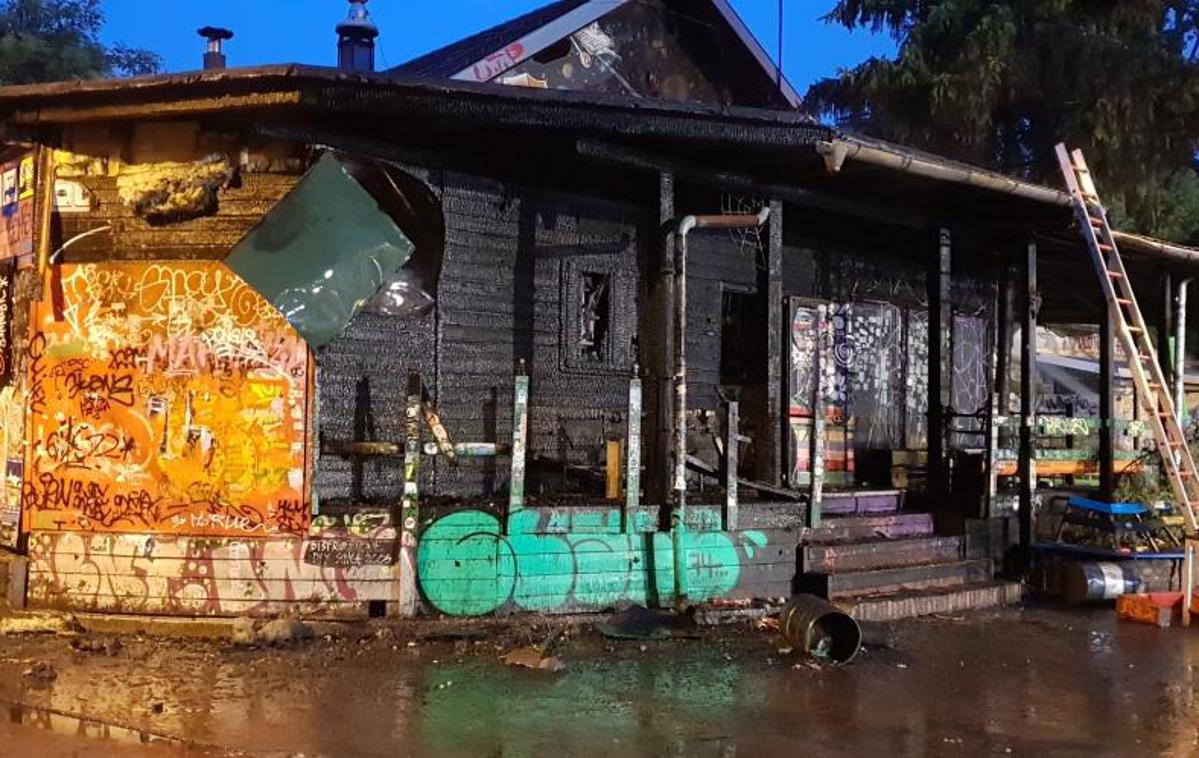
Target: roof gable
column 694, row 50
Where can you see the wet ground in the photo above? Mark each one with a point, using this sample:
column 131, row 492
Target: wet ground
column 1016, row 682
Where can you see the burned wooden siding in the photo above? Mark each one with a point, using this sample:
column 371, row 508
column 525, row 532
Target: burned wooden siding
column 513, row 262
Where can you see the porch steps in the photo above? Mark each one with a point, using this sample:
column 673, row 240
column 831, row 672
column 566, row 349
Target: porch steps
column 925, row 576
column 888, row 566
column 837, row 557
column 924, row 602
column 852, row 528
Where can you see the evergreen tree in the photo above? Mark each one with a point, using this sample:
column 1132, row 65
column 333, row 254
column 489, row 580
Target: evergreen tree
column 999, row 82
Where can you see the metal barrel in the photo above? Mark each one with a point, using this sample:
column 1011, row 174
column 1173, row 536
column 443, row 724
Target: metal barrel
column 820, row 629
column 1088, row 581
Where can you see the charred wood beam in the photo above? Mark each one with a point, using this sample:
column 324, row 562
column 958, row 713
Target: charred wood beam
column 1026, row 463
column 771, row 437
column 636, row 159
column 940, row 368
column 1107, row 395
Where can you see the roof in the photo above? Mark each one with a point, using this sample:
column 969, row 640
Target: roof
column 764, row 148
column 447, row 61
column 476, row 58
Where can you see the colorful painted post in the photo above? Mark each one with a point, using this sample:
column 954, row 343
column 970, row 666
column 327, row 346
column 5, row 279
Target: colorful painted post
column 520, row 436
column 732, row 422
column 410, row 505
column 632, row 487
column 612, row 470
column 823, row 361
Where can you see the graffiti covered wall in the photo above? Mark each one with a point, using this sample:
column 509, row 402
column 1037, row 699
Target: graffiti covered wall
column 164, row 397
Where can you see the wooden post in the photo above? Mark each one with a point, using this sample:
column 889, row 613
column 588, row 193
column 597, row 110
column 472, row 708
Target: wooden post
column 1107, row 416
column 410, row 505
column 520, row 435
column 633, row 465
column 822, row 390
column 731, row 423
column 1165, row 328
column 940, row 367
column 657, row 345
column 1189, row 544
column 770, row 455
column 1028, row 382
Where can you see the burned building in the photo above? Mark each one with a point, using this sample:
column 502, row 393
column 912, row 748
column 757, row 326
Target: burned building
column 578, row 312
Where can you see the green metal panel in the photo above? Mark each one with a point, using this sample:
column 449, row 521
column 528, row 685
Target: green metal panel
column 322, row 252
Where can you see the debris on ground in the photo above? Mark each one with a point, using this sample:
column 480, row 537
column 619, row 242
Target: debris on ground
column 42, row 671
column 277, row 632
column 531, row 657
column 39, row 623
column 640, row 623
column 105, row 645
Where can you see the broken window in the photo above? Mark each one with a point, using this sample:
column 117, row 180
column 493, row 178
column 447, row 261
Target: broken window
column 593, row 317
column 597, row 314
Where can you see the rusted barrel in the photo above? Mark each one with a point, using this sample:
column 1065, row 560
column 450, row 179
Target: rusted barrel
column 1088, row 581
column 820, row 629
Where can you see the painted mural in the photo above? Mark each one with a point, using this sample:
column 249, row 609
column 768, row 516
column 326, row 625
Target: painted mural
column 147, row 573
column 164, row 397
column 467, row 566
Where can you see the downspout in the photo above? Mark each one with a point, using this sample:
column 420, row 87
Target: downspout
column 678, row 527
column 1180, row 339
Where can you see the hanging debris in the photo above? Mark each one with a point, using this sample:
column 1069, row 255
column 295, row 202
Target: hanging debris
column 172, row 191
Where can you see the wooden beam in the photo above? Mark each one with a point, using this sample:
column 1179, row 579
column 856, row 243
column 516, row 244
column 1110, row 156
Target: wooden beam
column 770, row 439
column 1107, row 396
column 174, row 108
column 940, row 368
column 1026, row 462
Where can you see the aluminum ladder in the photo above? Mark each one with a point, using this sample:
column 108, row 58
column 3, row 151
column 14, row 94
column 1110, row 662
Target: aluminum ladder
column 1130, row 328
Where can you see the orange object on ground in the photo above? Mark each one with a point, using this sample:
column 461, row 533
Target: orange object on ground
column 1156, row 608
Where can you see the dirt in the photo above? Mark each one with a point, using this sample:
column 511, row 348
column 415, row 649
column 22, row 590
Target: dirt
column 1031, row 682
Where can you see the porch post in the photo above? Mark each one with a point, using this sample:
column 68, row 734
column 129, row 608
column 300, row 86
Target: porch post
column 633, row 455
column 520, row 436
column 1107, row 396
column 1001, row 384
column 657, row 346
column 940, row 367
column 1180, row 348
column 1028, row 373
column 770, row 457
column 410, row 505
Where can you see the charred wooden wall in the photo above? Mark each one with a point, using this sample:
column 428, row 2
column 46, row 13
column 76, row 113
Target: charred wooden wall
column 512, row 258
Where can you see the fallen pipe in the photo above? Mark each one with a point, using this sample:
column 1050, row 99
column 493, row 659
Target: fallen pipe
column 820, row 629
column 679, row 420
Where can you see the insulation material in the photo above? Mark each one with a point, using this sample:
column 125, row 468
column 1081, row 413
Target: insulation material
column 174, row 191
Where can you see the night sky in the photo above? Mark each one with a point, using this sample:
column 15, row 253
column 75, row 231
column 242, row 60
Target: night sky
column 301, row 31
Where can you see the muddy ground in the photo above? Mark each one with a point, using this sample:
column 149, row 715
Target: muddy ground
column 1036, row 682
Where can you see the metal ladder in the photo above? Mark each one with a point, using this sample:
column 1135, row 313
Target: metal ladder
column 1130, row 328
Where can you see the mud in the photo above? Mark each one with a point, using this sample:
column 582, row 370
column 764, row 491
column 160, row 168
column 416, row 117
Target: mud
column 1015, row 682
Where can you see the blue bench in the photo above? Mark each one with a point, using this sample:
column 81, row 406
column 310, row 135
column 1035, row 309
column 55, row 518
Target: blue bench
column 1113, row 519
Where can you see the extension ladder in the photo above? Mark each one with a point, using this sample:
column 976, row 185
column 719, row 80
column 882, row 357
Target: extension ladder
column 1130, row 328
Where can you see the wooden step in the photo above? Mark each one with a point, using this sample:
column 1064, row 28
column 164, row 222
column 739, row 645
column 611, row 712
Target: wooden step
column 879, row 581
column 877, row 554
column 861, row 502
column 857, row 528
column 912, row 603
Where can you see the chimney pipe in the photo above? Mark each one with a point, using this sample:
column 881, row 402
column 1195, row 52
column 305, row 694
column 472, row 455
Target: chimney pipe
column 356, row 40
column 214, row 58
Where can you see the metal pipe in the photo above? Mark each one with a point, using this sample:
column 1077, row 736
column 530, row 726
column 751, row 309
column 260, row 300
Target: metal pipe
column 679, row 420
column 1180, row 343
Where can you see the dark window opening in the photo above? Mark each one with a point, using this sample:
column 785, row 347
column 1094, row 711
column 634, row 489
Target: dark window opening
column 594, row 316
column 740, row 336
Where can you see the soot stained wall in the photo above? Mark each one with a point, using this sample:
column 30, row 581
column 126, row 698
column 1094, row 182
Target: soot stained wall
column 509, row 290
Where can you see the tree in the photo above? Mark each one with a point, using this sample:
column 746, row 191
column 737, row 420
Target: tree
column 999, row 82
column 52, row 40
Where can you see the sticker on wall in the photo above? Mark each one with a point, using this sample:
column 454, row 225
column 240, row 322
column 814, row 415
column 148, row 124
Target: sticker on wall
column 16, row 207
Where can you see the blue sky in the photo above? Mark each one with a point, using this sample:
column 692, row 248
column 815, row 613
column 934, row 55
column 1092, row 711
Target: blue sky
column 301, row 31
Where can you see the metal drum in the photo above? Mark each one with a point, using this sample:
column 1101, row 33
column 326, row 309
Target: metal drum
column 1089, row 581
column 820, row 629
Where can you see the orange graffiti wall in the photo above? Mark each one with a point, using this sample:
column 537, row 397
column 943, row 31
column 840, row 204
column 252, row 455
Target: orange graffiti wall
column 164, row 397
